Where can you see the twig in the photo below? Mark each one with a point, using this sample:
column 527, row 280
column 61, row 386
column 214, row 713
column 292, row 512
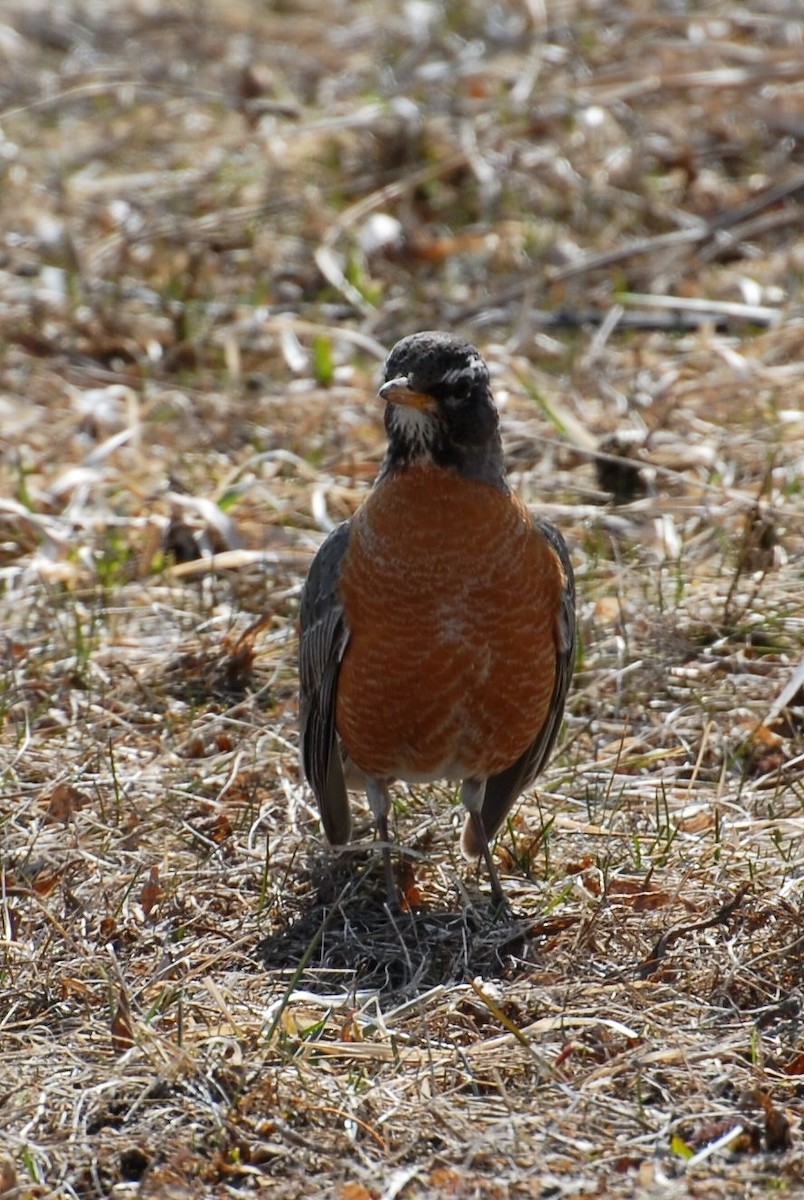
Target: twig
column 650, row 965
column 681, row 317
column 757, row 314
column 696, row 234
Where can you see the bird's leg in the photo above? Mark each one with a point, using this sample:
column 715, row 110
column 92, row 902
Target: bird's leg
column 494, row 879
column 472, row 794
column 379, row 798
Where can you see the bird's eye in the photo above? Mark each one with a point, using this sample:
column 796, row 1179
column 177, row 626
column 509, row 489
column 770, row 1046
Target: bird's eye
column 456, row 396
column 453, row 389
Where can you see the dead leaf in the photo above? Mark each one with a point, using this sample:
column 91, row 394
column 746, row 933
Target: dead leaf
column 64, row 801
column 179, row 542
column 608, row 609
column 698, row 822
column 122, row 1033
column 447, row 1182
column 410, row 893
column 195, row 748
column 578, row 868
column 747, row 1142
column 151, row 892
column 356, row 1191
column 436, row 249
column 220, row 829
column 795, row 1066
column 760, row 538
column 639, row 894
column 763, row 736
column 45, row 882
column 777, row 1126
column 8, row 1176
column 777, row 1131
column 107, row 928
column 350, row 1030
column 74, row 987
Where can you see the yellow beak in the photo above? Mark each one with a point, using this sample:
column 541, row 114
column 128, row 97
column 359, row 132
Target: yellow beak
column 399, row 391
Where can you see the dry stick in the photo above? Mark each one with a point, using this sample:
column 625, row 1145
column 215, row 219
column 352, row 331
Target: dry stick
column 794, row 685
column 607, row 258
column 697, row 311
column 683, row 316
column 752, row 228
column 696, row 235
column 650, row 965
column 514, row 1030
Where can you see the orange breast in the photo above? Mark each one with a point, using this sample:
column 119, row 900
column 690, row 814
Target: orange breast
column 451, row 600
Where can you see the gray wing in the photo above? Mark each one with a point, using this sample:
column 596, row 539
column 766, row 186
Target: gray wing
column 322, row 640
column 503, row 789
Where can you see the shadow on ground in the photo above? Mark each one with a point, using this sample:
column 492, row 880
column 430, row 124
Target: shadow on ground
column 347, row 936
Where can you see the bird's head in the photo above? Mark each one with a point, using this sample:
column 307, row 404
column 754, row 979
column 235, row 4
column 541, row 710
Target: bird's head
column 439, row 407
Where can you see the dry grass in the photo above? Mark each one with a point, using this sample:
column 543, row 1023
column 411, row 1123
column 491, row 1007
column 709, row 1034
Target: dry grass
column 215, row 217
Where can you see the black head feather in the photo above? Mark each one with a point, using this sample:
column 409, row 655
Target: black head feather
column 440, row 408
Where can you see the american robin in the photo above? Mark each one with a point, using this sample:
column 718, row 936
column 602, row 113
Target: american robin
column 438, row 623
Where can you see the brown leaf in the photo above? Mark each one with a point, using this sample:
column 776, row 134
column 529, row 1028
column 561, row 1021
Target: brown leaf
column 795, row 1066
column 176, row 1179
column 132, row 837
column 554, row 925
column 151, row 892
column 249, row 635
column 777, row 1126
column 437, row 249
column 122, row 1033
column 608, row 609
column 410, row 893
column 578, row 868
column 8, row 1176
column 220, row 829
column 748, row 1142
column 763, row 736
column 350, row 1030
column 45, row 882
column 107, row 928
column 446, row 1182
column 63, row 801
column 697, row 822
column 777, row 1131
column 356, row 1191
column 73, row 987
column 760, row 538
column 639, row 894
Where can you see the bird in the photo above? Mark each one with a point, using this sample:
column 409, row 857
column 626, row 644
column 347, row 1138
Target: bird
column 437, row 624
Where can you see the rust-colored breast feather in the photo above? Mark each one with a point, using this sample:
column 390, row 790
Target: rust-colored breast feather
column 451, row 599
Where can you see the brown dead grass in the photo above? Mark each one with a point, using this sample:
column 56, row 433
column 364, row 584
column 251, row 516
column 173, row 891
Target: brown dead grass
column 214, row 222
